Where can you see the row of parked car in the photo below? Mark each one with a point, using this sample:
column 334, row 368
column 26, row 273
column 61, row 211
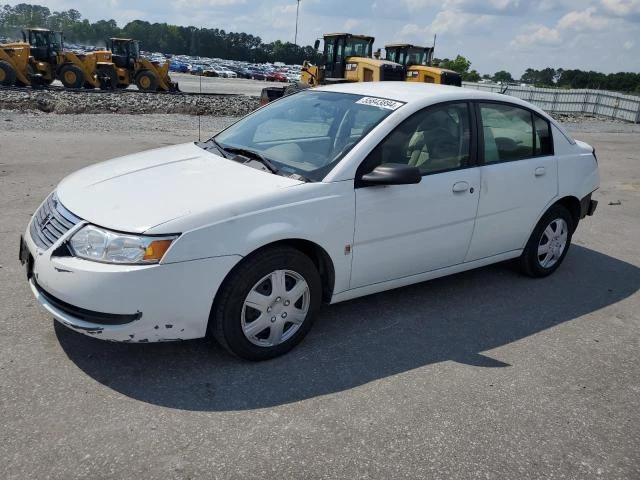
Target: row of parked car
column 229, row 69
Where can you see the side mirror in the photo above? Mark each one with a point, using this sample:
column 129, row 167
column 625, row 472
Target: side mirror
column 316, row 45
column 392, row 174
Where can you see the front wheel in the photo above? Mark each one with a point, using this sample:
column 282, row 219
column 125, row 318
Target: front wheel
column 267, row 304
column 549, row 243
column 72, row 76
column 147, row 81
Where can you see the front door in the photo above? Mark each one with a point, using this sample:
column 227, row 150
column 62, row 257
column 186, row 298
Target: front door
column 404, row 230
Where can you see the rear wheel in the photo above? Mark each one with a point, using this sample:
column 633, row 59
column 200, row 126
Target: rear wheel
column 72, row 76
column 267, row 304
column 7, row 74
column 147, row 81
column 549, row 243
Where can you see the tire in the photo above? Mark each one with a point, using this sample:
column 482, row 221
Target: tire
column 7, row 74
column 147, row 81
column 72, row 76
column 548, row 244
column 273, row 308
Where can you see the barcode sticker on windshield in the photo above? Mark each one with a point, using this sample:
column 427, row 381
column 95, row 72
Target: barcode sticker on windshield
column 380, row 103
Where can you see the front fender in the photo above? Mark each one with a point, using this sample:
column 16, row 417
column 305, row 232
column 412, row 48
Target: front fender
column 327, row 221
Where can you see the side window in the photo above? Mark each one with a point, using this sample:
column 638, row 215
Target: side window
column 513, row 133
column 544, row 140
column 435, row 139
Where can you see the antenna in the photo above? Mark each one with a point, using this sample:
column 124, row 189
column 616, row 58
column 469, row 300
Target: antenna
column 200, row 114
column 200, row 111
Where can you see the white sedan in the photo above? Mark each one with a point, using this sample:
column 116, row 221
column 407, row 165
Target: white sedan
column 323, row 196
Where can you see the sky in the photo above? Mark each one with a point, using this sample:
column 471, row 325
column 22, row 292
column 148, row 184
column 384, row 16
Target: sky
column 512, row 35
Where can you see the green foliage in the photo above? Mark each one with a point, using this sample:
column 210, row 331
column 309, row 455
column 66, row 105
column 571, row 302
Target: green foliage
column 502, row 77
column 621, row 81
column 156, row 37
column 472, row 76
column 460, row 64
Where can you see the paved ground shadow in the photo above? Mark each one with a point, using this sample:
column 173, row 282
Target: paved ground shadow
column 454, row 318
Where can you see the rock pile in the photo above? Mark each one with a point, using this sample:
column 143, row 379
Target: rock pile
column 74, row 102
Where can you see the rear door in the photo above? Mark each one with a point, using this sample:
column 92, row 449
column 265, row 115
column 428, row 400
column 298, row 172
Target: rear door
column 519, row 177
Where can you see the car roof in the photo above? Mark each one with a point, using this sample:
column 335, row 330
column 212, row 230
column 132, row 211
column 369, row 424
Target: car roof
column 423, row 93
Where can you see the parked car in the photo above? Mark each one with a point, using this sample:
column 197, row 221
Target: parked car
column 276, row 77
column 323, row 196
column 178, row 67
column 256, row 74
column 229, row 73
column 197, row 69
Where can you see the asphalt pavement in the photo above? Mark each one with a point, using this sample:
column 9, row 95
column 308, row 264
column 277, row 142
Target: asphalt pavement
column 486, row 374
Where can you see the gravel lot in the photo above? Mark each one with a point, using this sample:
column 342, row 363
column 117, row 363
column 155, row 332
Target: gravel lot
column 486, row 374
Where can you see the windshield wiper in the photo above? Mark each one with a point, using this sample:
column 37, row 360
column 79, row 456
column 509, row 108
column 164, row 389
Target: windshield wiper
column 208, row 144
column 243, row 152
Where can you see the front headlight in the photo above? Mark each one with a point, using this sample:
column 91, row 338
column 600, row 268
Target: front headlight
column 100, row 245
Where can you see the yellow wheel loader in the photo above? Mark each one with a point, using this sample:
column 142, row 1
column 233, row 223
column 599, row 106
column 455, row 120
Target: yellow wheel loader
column 129, row 67
column 418, row 61
column 40, row 59
column 14, row 64
column 49, row 61
column 346, row 58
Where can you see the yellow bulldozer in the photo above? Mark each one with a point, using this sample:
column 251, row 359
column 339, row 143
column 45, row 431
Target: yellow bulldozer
column 346, row 58
column 418, row 62
column 40, row 59
column 130, row 67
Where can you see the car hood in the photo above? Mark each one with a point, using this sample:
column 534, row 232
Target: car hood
column 140, row 191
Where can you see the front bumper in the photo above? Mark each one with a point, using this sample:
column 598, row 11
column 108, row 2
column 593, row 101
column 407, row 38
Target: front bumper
column 133, row 303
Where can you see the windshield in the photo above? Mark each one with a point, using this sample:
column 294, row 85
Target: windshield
column 308, row 133
column 416, row 56
column 355, row 47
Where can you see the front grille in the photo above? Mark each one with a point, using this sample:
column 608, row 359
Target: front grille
column 393, row 73
column 51, row 222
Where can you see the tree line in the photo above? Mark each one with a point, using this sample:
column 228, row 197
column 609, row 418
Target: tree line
column 154, row 37
column 627, row 82
column 217, row 43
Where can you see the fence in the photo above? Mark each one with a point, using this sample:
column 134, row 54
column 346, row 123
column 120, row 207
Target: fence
column 577, row 102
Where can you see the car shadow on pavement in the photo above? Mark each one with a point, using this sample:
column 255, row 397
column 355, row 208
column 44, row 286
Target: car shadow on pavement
column 450, row 319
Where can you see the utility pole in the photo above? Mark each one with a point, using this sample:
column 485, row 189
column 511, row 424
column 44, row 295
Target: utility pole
column 295, row 40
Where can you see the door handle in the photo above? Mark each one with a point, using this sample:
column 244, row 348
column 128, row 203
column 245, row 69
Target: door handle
column 540, row 171
column 460, row 187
